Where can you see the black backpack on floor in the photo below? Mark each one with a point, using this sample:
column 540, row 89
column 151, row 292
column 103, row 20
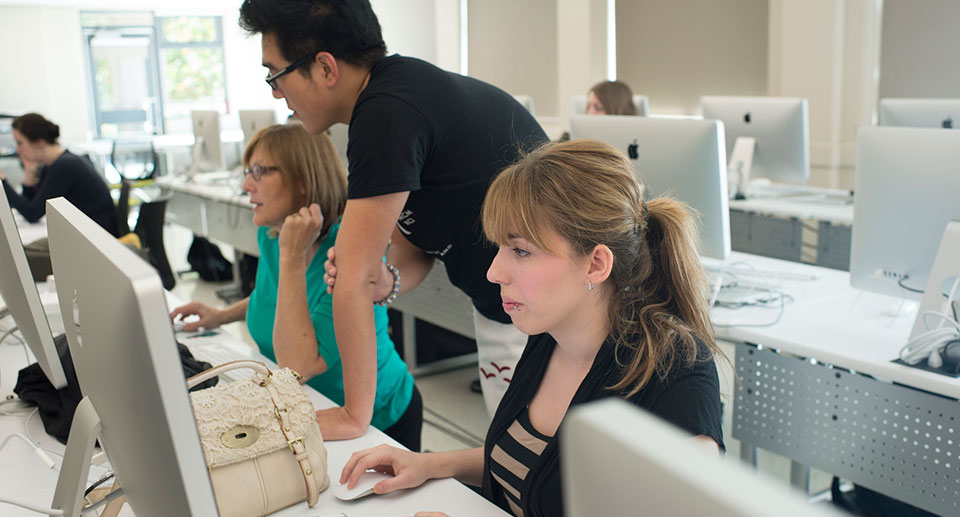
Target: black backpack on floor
column 205, row 258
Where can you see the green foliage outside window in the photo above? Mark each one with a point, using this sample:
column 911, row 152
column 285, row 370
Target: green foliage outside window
column 188, row 29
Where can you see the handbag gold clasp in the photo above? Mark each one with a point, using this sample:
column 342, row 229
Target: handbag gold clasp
column 293, row 441
column 240, row 436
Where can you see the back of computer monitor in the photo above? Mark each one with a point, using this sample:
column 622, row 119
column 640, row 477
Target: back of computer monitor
column 20, row 296
column 907, row 189
column 780, row 126
column 931, row 113
column 617, row 460
column 527, row 102
column 339, row 134
column 128, row 366
column 682, row 158
column 208, row 147
column 252, row 121
column 579, row 105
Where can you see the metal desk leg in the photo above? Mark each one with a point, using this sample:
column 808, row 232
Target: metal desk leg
column 234, row 291
column 409, row 341
column 800, row 476
column 748, row 454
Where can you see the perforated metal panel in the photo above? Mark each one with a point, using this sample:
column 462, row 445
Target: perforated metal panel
column 890, row 438
column 765, row 235
column 833, row 245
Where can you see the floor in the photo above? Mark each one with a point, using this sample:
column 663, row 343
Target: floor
column 454, row 416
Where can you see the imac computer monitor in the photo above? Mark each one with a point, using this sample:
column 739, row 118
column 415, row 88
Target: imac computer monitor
column 252, row 121
column 207, row 145
column 640, row 101
column 932, row 113
column 527, row 102
column 779, row 129
column 22, row 301
column 683, row 158
column 128, row 366
column 617, row 460
column 908, row 187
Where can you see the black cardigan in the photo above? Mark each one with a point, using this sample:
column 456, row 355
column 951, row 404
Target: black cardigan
column 688, row 398
column 74, row 178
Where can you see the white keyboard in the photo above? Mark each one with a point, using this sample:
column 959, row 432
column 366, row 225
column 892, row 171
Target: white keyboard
column 751, row 272
column 217, row 348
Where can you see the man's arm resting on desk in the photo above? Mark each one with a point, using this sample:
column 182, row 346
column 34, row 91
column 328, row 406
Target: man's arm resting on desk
column 361, row 241
column 412, row 264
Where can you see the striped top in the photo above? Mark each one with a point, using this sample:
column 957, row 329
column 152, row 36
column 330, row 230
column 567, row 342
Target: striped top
column 513, row 456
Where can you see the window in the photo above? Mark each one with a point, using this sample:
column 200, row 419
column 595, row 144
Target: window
column 191, row 67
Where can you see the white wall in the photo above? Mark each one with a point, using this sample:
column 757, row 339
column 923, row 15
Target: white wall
column 42, row 66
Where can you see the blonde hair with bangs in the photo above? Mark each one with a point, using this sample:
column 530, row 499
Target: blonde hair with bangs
column 309, row 165
column 587, row 192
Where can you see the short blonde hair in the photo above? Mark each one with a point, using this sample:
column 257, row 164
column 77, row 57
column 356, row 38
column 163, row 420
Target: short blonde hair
column 308, row 164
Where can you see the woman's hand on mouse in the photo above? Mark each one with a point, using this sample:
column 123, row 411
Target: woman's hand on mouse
column 409, row 469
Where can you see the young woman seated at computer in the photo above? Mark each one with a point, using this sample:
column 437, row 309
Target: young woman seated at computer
column 298, row 189
column 50, row 171
column 610, row 98
column 611, row 291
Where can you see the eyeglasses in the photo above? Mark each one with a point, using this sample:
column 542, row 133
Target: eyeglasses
column 272, row 79
column 257, row 171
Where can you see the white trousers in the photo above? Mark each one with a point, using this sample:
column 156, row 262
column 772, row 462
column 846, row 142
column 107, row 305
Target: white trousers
column 499, row 346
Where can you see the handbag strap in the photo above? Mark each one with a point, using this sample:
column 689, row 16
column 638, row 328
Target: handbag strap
column 225, row 367
column 296, row 443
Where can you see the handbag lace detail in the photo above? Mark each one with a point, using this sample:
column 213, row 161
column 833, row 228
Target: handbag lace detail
column 227, row 405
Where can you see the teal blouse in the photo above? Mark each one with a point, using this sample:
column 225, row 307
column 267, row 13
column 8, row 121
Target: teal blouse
column 394, row 383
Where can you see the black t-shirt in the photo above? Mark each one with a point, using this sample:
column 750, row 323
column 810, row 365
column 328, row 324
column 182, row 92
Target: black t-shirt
column 688, row 397
column 74, row 178
column 443, row 137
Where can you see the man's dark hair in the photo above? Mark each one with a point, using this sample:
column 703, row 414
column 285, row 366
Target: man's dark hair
column 348, row 29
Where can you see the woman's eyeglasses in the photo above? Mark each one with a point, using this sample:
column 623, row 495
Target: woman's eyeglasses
column 257, row 171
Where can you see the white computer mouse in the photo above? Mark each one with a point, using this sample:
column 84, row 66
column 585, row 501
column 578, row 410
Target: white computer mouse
column 364, row 486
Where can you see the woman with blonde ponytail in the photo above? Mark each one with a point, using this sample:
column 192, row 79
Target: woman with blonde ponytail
column 612, row 293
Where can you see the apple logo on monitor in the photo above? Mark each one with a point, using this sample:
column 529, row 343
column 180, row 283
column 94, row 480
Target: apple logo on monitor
column 632, row 151
column 746, row 118
column 947, row 123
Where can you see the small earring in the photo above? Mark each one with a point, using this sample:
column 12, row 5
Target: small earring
column 589, row 285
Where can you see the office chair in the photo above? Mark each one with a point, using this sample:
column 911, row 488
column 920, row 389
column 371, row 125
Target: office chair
column 134, row 159
column 150, row 230
column 123, row 209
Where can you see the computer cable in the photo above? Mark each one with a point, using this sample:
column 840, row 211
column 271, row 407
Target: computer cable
column 932, row 343
column 47, row 460
column 52, row 511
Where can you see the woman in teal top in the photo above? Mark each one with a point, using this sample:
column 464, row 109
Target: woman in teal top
column 297, row 186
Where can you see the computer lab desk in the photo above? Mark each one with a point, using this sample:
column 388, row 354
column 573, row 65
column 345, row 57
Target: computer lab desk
column 818, row 386
column 212, row 207
column 24, row 477
column 812, row 228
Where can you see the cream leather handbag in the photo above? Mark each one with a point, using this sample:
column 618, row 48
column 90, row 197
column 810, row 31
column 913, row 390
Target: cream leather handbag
column 263, row 448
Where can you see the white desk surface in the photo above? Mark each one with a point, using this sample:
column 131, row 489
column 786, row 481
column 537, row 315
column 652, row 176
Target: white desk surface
column 811, row 208
column 833, row 323
column 221, row 186
column 30, row 232
column 160, row 142
column 23, row 476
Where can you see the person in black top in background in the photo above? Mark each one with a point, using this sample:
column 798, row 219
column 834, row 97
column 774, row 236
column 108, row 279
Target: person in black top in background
column 423, row 146
column 614, row 298
column 49, row 171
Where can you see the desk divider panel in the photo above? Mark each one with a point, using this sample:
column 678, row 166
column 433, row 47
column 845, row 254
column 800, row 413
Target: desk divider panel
column 890, row 438
column 766, row 235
